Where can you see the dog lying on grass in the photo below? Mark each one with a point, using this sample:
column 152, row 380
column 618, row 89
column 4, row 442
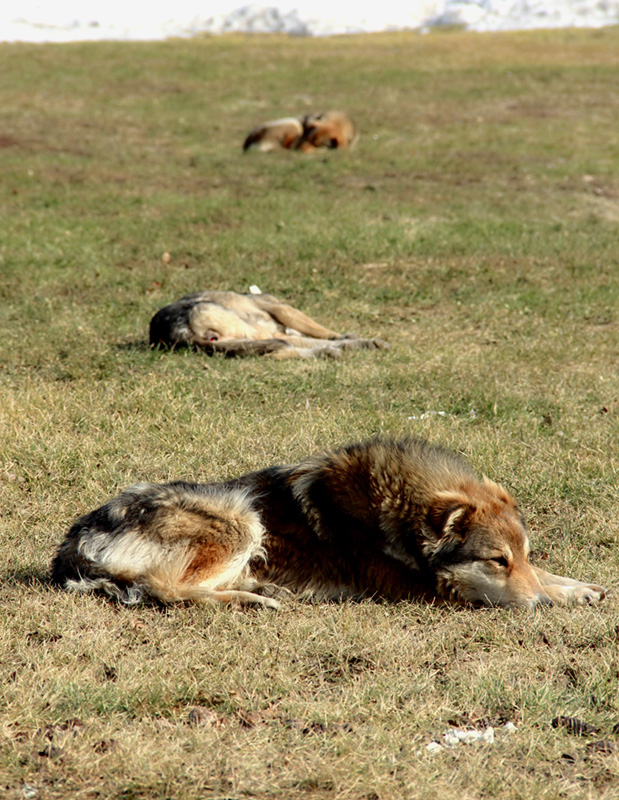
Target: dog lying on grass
column 248, row 324
column 390, row 519
column 333, row 129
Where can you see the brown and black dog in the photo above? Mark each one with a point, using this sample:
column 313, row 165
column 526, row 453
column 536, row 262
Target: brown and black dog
column 390, row 519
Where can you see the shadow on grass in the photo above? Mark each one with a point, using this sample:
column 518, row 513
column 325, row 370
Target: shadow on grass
column 32, row 577
column 133, row 345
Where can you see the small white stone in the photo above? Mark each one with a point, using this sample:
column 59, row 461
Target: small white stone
column 509, row 727
column 451, row 738
column 468, row 737
column 487, row 736
column 455, row 736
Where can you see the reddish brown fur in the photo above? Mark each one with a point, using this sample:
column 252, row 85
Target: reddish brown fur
column 206, row 560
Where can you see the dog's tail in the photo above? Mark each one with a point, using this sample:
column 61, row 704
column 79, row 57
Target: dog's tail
column 164, row 586
column 253, row 137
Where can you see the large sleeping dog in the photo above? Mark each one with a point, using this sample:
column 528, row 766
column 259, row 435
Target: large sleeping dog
column 390, row 519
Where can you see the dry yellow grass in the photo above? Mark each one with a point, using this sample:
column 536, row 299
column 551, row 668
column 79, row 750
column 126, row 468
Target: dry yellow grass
column 474, row 227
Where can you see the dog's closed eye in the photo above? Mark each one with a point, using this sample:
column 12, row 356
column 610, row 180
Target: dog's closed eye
column 500, row 561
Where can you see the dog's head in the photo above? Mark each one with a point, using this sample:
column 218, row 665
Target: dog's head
column 332, row 130
column 479, row 549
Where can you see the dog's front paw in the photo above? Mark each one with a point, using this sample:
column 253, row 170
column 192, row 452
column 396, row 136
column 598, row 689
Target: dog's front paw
column 274, row 591
column 381, row 344
column 271, row 603
column 582, row 594
column 588, row 594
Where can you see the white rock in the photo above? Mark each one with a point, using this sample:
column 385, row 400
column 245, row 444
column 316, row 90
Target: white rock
column 455, row 736
column 509, row 727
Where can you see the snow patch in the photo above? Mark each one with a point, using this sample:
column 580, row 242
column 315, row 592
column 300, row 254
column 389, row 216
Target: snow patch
column 85, row 20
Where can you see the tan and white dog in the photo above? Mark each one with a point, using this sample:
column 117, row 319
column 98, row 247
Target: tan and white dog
column 248, row 324
column 333, row 130
column 385, row 519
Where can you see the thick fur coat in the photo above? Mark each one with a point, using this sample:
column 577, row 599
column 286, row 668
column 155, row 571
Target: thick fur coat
column 389, row 519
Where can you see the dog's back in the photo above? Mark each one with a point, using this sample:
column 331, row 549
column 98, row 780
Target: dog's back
column 279, row 133
column 334, row 522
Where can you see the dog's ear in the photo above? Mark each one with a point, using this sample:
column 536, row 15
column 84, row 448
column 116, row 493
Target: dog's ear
column 498, row 491
column 448, row 513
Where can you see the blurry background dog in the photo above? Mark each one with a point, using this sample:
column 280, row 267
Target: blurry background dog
column 333, row 129
column 380, row 519
column 248, row 324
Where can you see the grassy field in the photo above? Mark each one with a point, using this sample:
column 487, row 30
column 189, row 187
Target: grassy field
column 475, row 227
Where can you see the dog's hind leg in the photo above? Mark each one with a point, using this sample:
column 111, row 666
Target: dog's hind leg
column 206, row 574
column 349, row 342
column 279, row 349
column 318, row 349
column 276, row 348
column 238, row 597
column 310, row 348
column 291, row 317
